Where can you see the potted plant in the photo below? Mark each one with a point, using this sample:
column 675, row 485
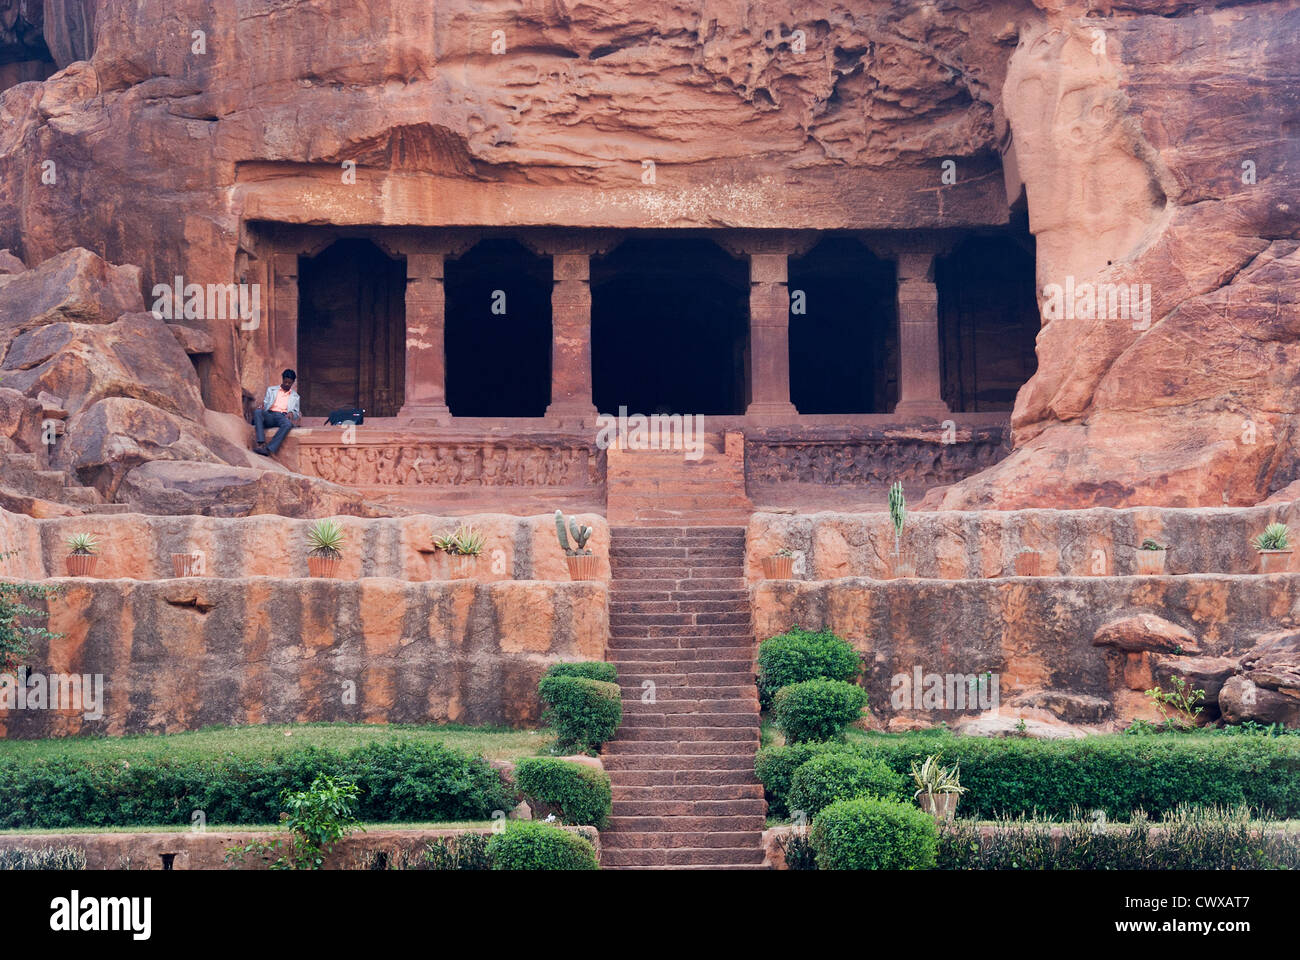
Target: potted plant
column 582, row 563
column 1151, row 558
column 463, row 547
column 780, row 565
column 904, row 563
column 83, row 555
column 325, row 537
column 1028, row 563
column 1274, row 546
column 938, row 788
column 188, row 564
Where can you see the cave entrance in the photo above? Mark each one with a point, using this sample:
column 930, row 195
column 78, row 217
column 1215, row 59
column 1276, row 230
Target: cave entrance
column 988, row 321
column 498, row 333
column 351, row 330
column 669, row 328
column 843, row 330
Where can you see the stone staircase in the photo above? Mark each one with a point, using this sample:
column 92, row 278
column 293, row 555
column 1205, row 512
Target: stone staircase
column 664, row 487
column 26, row 481
column 682, row 763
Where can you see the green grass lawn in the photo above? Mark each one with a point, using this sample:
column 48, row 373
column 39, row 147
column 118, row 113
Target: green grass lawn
column 494, row 743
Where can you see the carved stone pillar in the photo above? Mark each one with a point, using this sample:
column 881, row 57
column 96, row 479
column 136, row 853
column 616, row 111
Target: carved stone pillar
column 769, row 253
column 426, row 355
column 571, row 338
column 282, row 338
column 919, row 381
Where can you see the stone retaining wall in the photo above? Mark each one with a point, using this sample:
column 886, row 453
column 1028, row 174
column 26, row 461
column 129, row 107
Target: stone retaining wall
column 189, row 850
column 955, row 545
column 182, row 654
column 140, row 547
column 1034, row 633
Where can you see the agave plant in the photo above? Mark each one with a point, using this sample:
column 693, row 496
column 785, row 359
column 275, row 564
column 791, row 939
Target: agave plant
column 1149, row 544
column 581, row 534
column 1276, row 536
column 462, row 542
column 326, row 539
column 932, row 777
column 785, row 552
column 83, row 545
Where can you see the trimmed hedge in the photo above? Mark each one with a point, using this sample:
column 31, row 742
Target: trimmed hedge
column 867, row 834
column 591, row 669
column 526, row 845
column 798, row 655
column 581, row 794
column 842, row 776
column 399, row 781
column 1114, row 773
column 585, row 713
column 817, row 709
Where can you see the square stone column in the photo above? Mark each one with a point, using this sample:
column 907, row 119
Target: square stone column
column 426, row 355
column 571, row 401
column 282, row 333
column 769, row 339
column 919, row 384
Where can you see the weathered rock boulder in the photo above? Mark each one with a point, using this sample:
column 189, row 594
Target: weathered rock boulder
column 1146, row 633
column 20, row 422
column 75, row 286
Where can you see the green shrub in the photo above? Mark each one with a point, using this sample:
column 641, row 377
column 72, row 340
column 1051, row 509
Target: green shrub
column 591, row 669
column 775, row 768
column 585, row 713
column 46, row 858
column 398, row 781
column 842, row 776
column 817, row 709
column 526, row 845
column 1114, row 773
column 866, row 834
column 1186, row 839
column 798, row 655
column 580, row 794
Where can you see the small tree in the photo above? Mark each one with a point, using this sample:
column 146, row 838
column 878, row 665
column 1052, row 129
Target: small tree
column 16, row 633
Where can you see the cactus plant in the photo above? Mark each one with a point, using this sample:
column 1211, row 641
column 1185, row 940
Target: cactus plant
column 580, row 533
column 897, row 512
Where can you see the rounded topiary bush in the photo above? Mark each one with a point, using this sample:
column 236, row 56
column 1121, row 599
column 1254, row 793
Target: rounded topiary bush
column 834, row 776
column 867, row 834
column 798, row 655
column 817, row 709
column 580, row 794
column 526, row 845
column 585, row 713
column 591, row 669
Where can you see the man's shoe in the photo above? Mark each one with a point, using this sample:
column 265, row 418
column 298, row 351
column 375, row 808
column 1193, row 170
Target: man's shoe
column 262, row 450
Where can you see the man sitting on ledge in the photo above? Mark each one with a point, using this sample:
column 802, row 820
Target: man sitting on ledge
column 279, row 408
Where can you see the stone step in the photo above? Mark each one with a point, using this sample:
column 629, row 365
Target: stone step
column 633, row 707
column 652, row 762
column 680, row 654
column 620, row 598
column 711, row 839
column 689, row 808
column 732, row 791
column 702, row 631
column 650, row 668
column 621, row 553
column 744, row 734
column 619, row 588
column 627, row 646
column 682, row 693
column 639, row 574
column 688, row 541
column 692, row 721
column 710, row 857
column 615, row 532
column 684, row 778
column 687, row 824
column 646, row 607
column 684, row 748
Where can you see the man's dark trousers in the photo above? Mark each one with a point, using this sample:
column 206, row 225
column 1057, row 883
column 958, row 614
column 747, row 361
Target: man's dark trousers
column 271, row 418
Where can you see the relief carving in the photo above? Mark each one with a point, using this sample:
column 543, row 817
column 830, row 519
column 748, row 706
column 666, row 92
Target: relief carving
column 490, row 464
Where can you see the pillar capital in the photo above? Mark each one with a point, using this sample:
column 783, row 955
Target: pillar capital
column 751, row 243
column 555, row 242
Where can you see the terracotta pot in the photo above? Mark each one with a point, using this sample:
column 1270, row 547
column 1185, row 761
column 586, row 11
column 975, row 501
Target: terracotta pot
column 1150, row 563
column 187, row 564
column 461, row 566
column 1274, row 561
column 941, row 806
column 1028, row 563
column 778, row 568
column 582, row 567
column 902, row 565
column 322, row 566
column 82, row 564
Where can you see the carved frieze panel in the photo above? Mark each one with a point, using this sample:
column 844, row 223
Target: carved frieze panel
column 451, row 463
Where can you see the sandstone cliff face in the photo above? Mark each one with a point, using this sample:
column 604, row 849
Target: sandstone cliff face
column 1169, row 160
